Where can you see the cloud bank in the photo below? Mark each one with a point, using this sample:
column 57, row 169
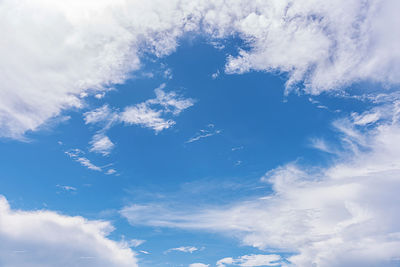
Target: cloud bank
column 54, row 52
column 46, row 238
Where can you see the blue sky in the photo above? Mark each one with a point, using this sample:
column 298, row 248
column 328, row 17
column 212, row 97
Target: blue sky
column 155, row 143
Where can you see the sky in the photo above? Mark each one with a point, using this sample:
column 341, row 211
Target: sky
column 199, row 133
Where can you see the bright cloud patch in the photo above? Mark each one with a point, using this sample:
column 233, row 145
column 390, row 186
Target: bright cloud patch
column 252, row 260
column 150, row 114
column 145, row 116
column 344, row 215
column 325, row 44
column 45, row 238
column 76, row 154
column 101, row 144
column 183, row 249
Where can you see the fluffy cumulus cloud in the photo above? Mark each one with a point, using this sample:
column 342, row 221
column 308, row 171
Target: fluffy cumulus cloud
column 252, row 260
column 342, row 215
column 149, row 114
column 326, row 45
column 45, row 238
column 155, row 113
column 54, row 52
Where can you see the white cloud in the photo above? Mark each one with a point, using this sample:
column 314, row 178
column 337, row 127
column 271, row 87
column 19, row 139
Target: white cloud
column 100, row 95
column 204, row 133
column 198, row 265
column 325, row 44
column 53, row 52
column 111, row 171
column 151, row 113
column 170, row 101
column 145, row 116
column 252, row 260
column 46, row 238
column 102, row 115
column 188, row 249
column 67, row 187
column 322, row 145
column 366, row 118
column 135, row 242
column 342, row 215
column 87, row 163
column 101, row 144
column 76, row 154
column 215, row 75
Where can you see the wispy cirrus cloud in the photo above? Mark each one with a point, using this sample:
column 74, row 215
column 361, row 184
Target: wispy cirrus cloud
column 76, row 154
column 204, row 133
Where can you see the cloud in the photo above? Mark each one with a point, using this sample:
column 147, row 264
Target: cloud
column 322, row 145
column 136, row 242
column 366, row 118
column 170, row 101
column 188, row 249
column 198, row 265
column 76, row 154
column 150, row 113
column 322, row 45
column 102, row 115
column 340, row 215
column 204, row 133
column 111, row 171
column 145, row 116
column 46, row 238
column 252, row 260
column 101, row 144
column 55, row 52
column 67, row 187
